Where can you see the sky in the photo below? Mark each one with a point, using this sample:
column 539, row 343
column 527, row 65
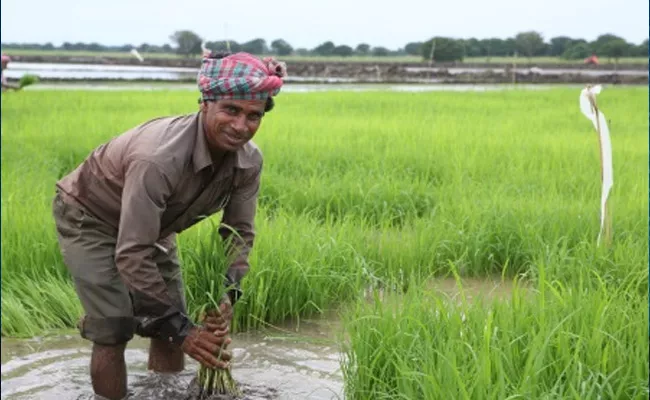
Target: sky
column 305, row 23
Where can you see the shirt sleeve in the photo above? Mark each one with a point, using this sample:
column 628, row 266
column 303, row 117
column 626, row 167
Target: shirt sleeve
column 238, row 226
column 144, row 197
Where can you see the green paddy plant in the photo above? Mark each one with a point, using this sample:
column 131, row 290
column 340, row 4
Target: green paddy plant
column 216, row 381
column 209, row 259
column 27, row 80
column 550, row 339
column 384, row 190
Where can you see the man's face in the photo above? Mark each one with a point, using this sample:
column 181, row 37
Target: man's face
column 230, row 124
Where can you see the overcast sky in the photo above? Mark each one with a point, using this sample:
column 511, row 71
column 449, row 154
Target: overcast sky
column 305, row 23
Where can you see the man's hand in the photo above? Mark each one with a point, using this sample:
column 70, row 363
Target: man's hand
column 218, row 321
column 207, row 348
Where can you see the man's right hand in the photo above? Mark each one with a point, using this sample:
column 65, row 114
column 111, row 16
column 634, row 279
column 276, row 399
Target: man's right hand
column 207, row 348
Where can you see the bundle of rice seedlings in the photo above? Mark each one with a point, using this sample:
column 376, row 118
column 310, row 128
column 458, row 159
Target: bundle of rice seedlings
column 216, row 381
column 27, row 80
column 208, row 258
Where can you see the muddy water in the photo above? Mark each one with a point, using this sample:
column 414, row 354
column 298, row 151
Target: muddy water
column 280, row 364
column 476, row 289
column 135, row 72
column 305, row 88
column 272, row 366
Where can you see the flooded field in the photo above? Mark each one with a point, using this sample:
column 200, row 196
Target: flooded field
column 370, row 189
column 274, row 366
column 327, row 74
column 299, row 88
column 277, row 364
column 538, row 70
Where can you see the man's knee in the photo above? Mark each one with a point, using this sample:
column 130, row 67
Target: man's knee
column 164, row 346
column 111, row 332
column 111, row 350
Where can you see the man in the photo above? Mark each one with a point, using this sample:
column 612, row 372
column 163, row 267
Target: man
column 117, row 215
column 6, row 85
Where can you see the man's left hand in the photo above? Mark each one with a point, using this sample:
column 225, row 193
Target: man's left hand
column 219, row 321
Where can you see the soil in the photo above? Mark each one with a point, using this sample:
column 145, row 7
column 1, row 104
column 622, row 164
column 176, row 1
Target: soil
column 194, row 392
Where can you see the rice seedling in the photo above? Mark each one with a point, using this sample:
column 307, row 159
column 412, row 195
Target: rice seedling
column 210, row 260
column 27, row 80
column 552, row 339
column 388, row 191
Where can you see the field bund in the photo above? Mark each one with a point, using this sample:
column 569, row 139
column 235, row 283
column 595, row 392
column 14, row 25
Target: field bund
column 368, row 202
column 336, row 71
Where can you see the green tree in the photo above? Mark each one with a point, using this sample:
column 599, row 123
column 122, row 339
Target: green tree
column 577, row 51
column 343, row 51
column 640, row 50
column 281, row 47
column 446, row 49
column 598, row 44
column 559, row 45
column 324, row 49
column 94, row 47
column 380, row 51
column 530, row 43
column 495, row 47
column 255, row 46
column 363, row 49
column 615, row 48
column 187, row 42
column 413, row 48
column 224, row 45
column 473, row 48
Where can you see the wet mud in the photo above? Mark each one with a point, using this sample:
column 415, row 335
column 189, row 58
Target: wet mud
column 265, row 367
column 278, row 364
column 194, row 392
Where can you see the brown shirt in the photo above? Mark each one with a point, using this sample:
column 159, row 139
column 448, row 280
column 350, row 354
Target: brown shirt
column 159, row 179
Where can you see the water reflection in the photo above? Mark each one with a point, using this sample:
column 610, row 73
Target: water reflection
column 130, row 72
column 291, row 87
column 16, row 70
column 265, row 367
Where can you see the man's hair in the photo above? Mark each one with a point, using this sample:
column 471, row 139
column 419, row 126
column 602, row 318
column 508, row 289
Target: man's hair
column 270, row 103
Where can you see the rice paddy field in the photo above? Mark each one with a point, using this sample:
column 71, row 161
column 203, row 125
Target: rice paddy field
column 369, row 199
column 356, row 58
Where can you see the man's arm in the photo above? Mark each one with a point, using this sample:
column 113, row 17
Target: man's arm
column 239, row 215
column 144, row 197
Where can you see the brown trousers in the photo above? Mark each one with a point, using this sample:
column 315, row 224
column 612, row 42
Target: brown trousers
column 88, row 248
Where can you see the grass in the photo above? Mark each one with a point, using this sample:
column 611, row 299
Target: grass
column 391, row 190
column 553, row 60
column 560, row 339
column 356, row 58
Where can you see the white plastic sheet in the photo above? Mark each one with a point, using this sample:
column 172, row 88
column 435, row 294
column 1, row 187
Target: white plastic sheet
column 590, row 109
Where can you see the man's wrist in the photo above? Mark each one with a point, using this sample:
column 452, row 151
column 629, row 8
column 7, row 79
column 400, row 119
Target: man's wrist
column 176, row 328
column 233, row 291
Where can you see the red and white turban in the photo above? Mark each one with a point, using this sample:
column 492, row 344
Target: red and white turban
column 240, row 76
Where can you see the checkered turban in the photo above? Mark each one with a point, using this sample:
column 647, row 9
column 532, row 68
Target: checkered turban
column 240, row 76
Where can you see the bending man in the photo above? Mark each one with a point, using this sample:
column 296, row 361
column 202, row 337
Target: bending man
column 118, row 213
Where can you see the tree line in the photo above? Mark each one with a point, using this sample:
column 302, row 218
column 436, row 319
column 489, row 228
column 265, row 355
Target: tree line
column 525, row 44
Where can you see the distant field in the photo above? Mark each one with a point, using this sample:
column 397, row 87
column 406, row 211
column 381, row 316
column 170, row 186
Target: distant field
column 492, row 60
